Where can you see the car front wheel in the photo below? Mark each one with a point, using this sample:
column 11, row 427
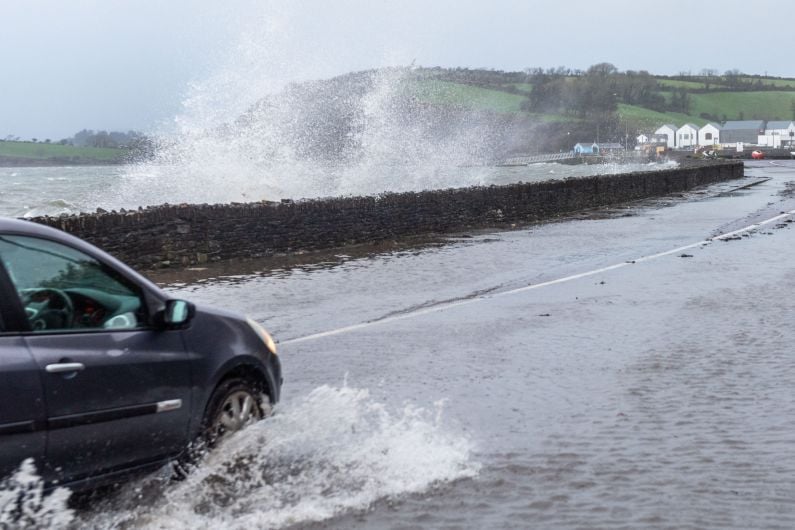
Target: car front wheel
column 235, row 404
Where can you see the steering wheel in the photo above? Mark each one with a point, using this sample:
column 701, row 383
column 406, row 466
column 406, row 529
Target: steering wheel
column 48, row 308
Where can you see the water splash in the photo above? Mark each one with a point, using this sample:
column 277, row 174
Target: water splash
column 247, row 132
column 23, row 503
column 263, row 127
column 362, row 133
column 333, row 451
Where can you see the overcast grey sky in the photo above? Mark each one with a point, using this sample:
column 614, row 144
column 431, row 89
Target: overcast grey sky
column 136, row 64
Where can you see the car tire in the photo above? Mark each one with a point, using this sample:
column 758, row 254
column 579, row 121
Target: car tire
column 233, row 406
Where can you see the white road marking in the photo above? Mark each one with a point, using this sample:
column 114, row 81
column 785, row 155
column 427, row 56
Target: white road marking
column 445, row 307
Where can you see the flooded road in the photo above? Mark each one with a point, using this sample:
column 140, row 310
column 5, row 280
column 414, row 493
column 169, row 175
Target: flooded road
column 438, row 388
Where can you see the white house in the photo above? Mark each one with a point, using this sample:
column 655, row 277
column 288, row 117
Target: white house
column 669, row 131
column 778, row 134
column 709, row 135
column 687, row 135
column 642, row 138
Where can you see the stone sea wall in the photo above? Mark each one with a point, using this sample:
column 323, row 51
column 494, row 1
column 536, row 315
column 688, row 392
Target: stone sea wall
column 190, row 234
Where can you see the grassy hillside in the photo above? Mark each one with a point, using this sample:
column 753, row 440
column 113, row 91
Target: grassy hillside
column 751, row 105
column 734, row 105
column 525, row 88
column 449, row 93
column 481, row 98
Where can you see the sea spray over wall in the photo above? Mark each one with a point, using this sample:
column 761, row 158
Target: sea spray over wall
column 246, row 133
column 361, row 133
column 270, row 123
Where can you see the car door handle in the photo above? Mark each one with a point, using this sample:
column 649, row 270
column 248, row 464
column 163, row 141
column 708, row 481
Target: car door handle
column 61, row 368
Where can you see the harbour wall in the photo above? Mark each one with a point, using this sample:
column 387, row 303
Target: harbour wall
column 191, row 234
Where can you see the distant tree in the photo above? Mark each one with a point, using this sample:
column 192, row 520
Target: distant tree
column 602, row 69
column 91, row 138
column 733, row 78
column 680, row 101
column 34, row 140
column 47, row 141
column 102, row 139
column 81, row 139
column 707, row 76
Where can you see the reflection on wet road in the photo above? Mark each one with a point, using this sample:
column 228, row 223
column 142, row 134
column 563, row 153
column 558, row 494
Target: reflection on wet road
column 656, row 394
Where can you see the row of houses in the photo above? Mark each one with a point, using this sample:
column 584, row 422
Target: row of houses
column 755, row 132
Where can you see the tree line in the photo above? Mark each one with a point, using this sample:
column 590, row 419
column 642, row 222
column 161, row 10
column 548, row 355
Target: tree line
column 91, row 138
column 113, row 139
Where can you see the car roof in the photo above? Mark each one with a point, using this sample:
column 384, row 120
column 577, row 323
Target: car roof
column 22, row 226
column 31, row 228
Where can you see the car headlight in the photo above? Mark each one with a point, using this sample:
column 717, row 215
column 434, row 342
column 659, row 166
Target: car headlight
column 264, row 335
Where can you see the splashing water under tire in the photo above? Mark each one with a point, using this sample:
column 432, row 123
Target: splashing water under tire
column 332, row 451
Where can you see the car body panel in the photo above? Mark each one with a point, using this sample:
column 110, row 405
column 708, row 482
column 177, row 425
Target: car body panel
column 212, row 327
column 139, row 395
column 22, row 416
column 106, row 415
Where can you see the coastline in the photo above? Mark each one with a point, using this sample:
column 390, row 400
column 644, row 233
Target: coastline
column 10, row 161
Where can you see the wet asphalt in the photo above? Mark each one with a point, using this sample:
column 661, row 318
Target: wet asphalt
column 616, row 392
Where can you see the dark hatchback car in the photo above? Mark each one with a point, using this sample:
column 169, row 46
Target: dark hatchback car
column 102, row 374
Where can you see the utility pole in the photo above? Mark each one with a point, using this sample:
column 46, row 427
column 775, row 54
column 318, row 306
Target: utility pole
column 626, row 136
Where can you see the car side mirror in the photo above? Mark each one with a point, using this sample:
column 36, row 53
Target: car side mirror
column 178, row 312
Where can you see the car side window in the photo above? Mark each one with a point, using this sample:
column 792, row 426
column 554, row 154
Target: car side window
column 63, row 289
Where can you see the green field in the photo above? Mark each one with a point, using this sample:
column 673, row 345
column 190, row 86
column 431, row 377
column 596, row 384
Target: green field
column 675, row 83
column 783, row 83
column 473, row 97
column 43, row 151
column 527, row 88
column 753, row 105
column 720, row 83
